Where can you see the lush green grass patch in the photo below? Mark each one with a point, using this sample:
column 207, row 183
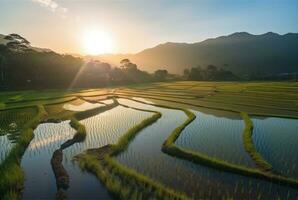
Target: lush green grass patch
column 125, row 183
column 249, row 146
column 170, row 148
column 81, row 130
column 122, row 182
column 11, row 173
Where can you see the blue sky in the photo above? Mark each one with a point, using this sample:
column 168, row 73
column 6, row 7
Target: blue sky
column 138, row 24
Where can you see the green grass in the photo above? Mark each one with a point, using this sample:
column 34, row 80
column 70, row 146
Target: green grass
column 170, row 148
column 81, row 133
column 249, row 146
column 278, row 99
column 94, row 111
column 125, row 183
column 122, row 182
column 175, row 134
column 11, row 173
column 132, row 132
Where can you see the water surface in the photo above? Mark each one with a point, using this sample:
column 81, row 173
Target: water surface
column 276, row 140
column 40, row 182
column 217, row 137
column 145, row 156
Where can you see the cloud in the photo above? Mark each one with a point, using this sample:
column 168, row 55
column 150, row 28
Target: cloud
column 52, row 6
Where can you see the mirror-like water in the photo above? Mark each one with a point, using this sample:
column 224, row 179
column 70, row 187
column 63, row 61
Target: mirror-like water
column 102, row 129
column 217, row 137
column 276, row 140
column 84, row 106
column 145, row 156
column 39, row 177
column 5, row 147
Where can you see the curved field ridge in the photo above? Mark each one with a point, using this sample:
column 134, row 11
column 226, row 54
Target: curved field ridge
column 121, row 181
column 11, row 173
column 170, row 148
column 249, row 146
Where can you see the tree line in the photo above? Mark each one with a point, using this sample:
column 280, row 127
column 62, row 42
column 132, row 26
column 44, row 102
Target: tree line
column 23, row 67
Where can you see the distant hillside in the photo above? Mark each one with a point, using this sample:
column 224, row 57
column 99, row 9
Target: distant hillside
column 6, row 39
column 242, row 53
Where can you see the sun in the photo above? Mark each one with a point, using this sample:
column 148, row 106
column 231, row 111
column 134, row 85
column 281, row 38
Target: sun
column 97, row 42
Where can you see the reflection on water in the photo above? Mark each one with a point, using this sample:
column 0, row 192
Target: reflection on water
column 216, row 137
column 39, row 177
column 276, row 140
column 144, row 155
column 84, row 106
column 102, row 129
column 5, row 147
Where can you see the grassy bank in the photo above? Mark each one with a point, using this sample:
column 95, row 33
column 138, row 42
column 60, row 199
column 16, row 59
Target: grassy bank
column 11, row 173
column 81, row 133
column 249, row 146
column 125, row 183
column 170, row 148
column 122, row 182
column 94, row 111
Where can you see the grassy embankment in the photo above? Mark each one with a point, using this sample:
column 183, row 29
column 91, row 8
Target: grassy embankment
column 266, row 99
column 122, row 182
column 170, row 148
column 249, row 146
column 61, row 175
column 11, row 173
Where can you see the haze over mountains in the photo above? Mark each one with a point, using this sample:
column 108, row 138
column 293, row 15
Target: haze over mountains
column 241, row 53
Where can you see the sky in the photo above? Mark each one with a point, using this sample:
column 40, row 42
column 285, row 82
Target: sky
column 133, row 25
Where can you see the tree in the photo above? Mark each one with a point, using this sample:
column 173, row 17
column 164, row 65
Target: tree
column 210, row 73
column 186, row 73
column 2, row 69
column 160, row 74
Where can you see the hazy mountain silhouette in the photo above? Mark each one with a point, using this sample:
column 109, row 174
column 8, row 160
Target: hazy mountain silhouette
column 241, row 52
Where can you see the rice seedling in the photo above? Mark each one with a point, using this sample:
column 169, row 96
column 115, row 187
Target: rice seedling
column 249, row 146
column 11, row 174
column 81, row 130
column 129, row 184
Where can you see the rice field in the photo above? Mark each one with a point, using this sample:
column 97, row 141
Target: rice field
column 219, row 137
column 121, row 134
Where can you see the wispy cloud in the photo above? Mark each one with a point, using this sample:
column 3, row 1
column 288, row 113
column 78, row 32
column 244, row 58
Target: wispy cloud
column 52, row 6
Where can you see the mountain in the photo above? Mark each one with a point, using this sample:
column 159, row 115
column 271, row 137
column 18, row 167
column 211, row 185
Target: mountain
column 241, row 53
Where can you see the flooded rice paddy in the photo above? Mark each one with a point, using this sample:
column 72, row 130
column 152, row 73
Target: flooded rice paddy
column 216, row 134
column 218, row 137
column 276, row 140
column 6, row 145
column 39, row 178
column 104, row 128
column 196, row 180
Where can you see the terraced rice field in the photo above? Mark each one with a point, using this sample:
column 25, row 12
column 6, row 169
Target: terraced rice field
column 178, row 140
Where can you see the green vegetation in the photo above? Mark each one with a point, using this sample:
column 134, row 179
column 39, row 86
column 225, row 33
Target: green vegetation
column 268, row 100
column 11, row 174
column 249, row 146
column 131, row 133
column 170, row 148
column 263, row 98
column 81, row 130
column 125, row 183
column 175, row 134
column 91, row 112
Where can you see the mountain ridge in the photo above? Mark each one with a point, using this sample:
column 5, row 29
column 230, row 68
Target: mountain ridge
column 240, row 52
